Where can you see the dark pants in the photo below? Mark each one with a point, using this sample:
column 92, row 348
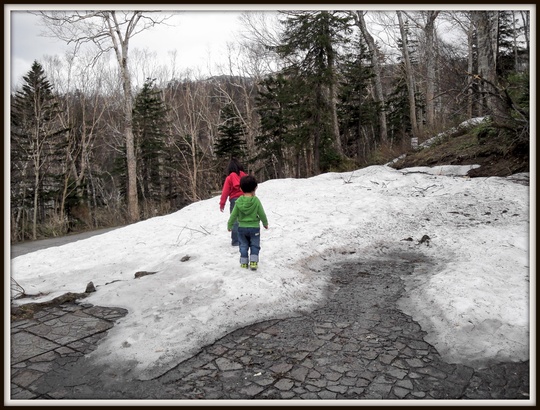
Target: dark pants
column 234, row 232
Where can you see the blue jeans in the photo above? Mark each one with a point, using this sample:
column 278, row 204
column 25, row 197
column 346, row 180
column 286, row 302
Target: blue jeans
column 234, row 232
column 250, row 240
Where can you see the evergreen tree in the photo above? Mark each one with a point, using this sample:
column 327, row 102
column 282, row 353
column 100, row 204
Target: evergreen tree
column 399, row 119
column 285, row 107
column 311, row 40
column 36, row 147
column 150, row 130
column 513, row 80
column 281, row 124
column 271, row 140
column 357, row 110
column 230, row 140
column 511, row 47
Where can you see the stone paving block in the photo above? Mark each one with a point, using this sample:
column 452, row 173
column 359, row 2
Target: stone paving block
column 25, row 346
column 397, row 373
column 406, row 384
column 317, row 382
column 380, row 389
column 288, row 395
column 198, row 374
column 41, row 367
column 22, row 324
column 350, row 347
column 251, row 390
column 299, row 356
column 400, row 392
column 327, row 395
column 309, row 396
column 106, row 313
column 414, row 362
column 337, row 389
column 18, row 393
column 45, row 357
column 70, row 327
column 264, row 380
column 226, row 364
column 281, row 367
column 65, row 351
column 299, row 373
column 26, row 377
column 432, row 371
column 333, row 376
column 284, row 384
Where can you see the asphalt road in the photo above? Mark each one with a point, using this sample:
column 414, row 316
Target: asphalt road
column 32, row 246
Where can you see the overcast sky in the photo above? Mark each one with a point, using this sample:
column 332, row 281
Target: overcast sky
column 199, row 34
column 200, row 39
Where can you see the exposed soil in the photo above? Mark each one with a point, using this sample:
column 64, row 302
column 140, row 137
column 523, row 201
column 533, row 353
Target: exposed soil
column 28, row 310
column 495, row 155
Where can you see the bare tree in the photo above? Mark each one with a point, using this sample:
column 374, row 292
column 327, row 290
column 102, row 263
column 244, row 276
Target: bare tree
column 35, row 137
column 193, row 119
column 187, row 125
column 411, row 85
column 526, row 18
column 108, row 30
column 460, row 21
column 486, row 24
column 84, row 106
column 258, row 40
column 430, row 48
column 470, row 68
column 375, row 57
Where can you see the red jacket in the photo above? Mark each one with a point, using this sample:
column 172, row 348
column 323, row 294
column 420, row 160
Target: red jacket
column 231, row 188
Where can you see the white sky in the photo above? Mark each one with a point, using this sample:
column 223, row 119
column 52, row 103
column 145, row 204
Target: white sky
column 474, row 300
column 199, row 34
column 199, row 38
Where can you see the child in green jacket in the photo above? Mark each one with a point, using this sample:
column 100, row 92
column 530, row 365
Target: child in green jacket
column 249, row 212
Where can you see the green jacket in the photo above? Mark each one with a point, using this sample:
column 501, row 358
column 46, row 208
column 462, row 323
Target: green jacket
column 249, row 211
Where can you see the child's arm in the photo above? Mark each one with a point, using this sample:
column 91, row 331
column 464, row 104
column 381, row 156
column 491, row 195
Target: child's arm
column 224, row 194
column 262, row 215
column 232, row 218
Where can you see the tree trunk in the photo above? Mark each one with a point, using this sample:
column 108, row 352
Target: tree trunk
column 36, row 154
column 409, row 76
column 486, row 23
column 430, row 68
column 525, row 15
column 379, row 95
column 36, row 196
column 515, row 42
column 121, row 47
column 317, row 132
column 332, row 96
column 470, row 68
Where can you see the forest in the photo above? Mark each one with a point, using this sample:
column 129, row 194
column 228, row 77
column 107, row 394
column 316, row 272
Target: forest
column 309, row 91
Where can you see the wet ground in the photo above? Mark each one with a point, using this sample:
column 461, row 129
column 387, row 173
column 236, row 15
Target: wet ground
column 357, row 346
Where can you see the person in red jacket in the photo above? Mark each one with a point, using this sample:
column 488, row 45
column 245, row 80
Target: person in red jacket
column 231, row 189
